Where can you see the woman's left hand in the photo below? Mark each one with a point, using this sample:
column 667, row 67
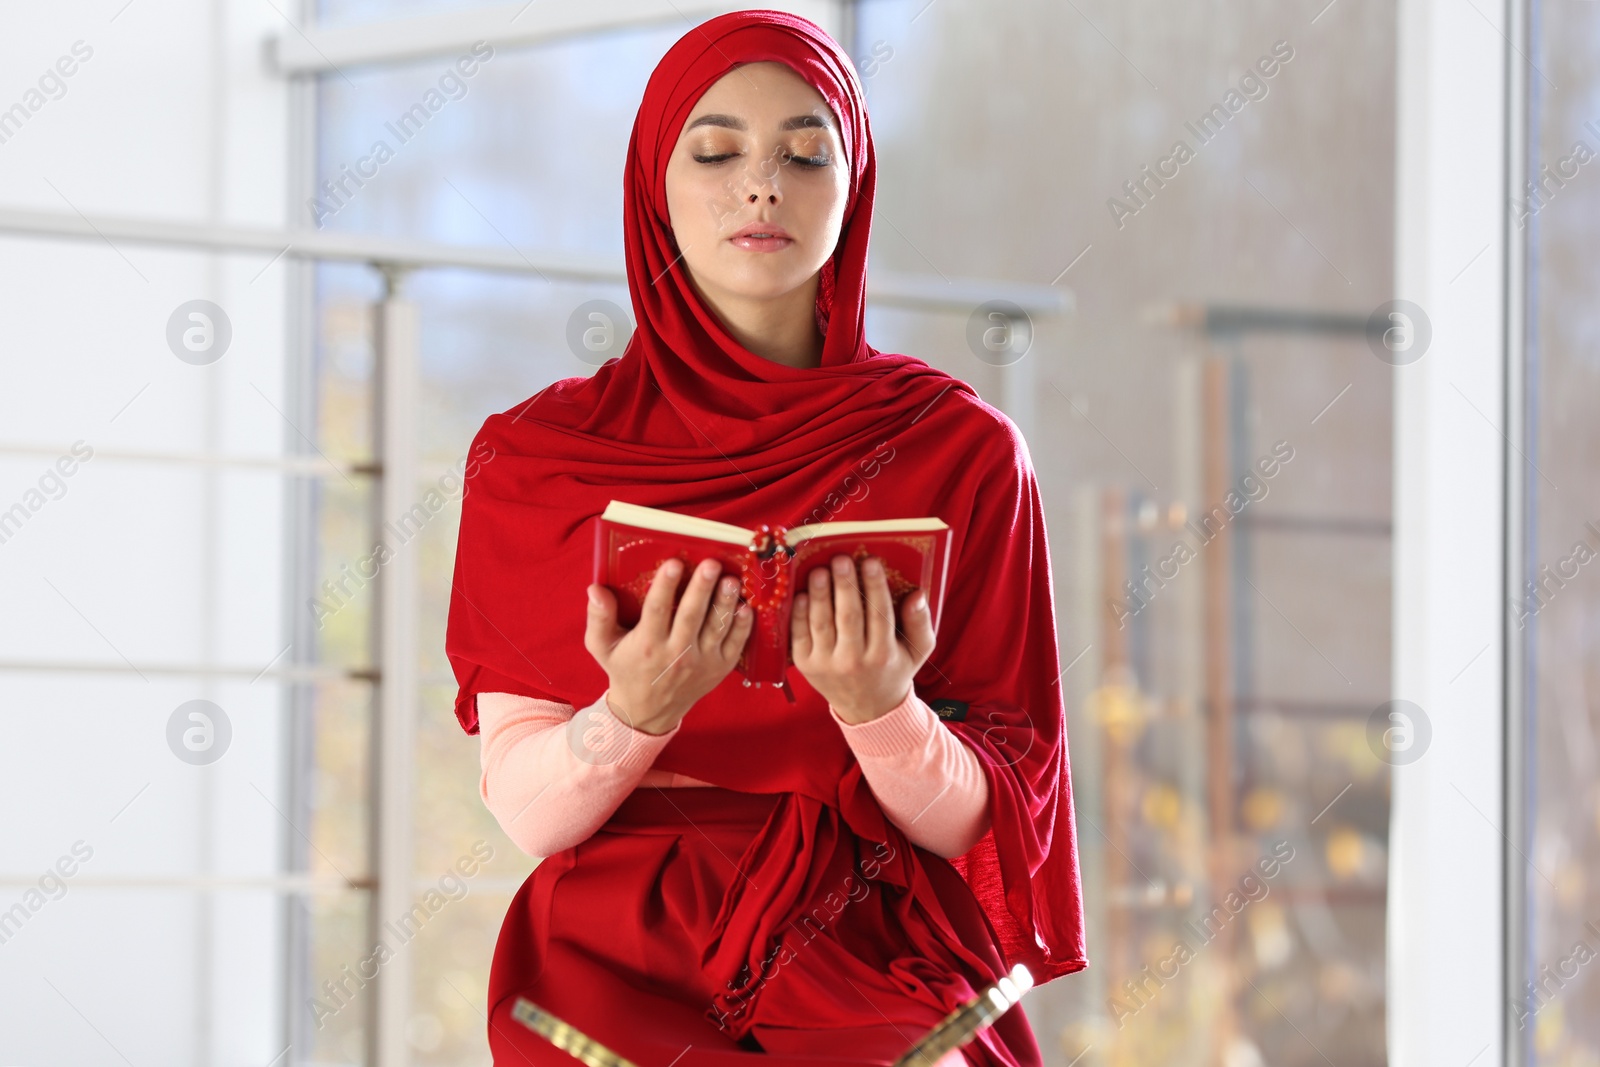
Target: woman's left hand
column 853, row 657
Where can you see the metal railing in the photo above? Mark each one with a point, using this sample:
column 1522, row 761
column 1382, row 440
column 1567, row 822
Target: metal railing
column 396, row 468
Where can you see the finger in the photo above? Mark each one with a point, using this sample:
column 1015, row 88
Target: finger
column 692, row 609
column 918, row 624
column 744, row 618
column 880, row 607
column 821, row 610
column 655, row 614
column 601, row 632
column 847, row 603
column 800, row 628
column 720, row 617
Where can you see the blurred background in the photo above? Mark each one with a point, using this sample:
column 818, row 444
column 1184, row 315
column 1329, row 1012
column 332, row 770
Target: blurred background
column 1295, row 307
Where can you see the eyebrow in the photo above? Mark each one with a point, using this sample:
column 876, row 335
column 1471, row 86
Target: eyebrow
column 734, row 122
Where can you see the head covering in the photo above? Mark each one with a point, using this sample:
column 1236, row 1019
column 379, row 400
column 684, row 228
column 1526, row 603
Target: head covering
column 689, row 420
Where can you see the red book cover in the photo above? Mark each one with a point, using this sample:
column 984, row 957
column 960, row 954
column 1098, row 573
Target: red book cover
column 631, row 541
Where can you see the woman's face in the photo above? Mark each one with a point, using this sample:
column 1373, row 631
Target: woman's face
column 759, row 152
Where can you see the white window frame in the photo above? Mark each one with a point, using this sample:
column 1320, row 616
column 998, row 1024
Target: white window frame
column 1456, row 918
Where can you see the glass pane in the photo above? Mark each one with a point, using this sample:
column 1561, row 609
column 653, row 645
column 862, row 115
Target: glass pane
column 1218, row 709
column 330, row 1016
column 485, row 169
column 452, row 955
column 526, row 151
column 337, row 781
column 345, row 293
column 489, row 343
column 1214, row 391
column 1557, row 1016
column 349, row 11
column 454, row 829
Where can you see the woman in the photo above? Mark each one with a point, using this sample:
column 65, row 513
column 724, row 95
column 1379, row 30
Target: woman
column 790, row 902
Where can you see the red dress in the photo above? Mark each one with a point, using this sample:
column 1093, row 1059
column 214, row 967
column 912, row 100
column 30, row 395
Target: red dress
column 692, row 922
column 615, row 929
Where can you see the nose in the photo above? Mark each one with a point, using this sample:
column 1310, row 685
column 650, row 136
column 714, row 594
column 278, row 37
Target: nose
column 761, row 180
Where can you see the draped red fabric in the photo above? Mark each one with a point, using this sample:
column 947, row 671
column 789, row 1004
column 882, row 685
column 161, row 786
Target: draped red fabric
column 688, row 419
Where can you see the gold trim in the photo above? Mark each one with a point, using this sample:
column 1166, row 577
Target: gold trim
column 956, row 1029
column 565, row 1037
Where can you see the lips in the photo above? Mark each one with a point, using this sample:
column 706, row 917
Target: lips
column 750, row 239
column 765, row 229
column 762, row 243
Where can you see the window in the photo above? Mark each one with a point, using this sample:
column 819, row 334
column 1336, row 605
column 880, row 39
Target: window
column 485, row 169
column 1212, row 435
column 1554, row 1014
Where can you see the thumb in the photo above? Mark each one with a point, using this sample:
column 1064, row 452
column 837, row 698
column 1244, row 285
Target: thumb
column 918, row 624
column 601, row 631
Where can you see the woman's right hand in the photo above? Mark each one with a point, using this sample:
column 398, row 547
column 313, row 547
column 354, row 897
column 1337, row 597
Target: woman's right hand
column 661, row 667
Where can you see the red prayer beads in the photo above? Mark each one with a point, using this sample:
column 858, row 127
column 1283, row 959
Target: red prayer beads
column 767, row 542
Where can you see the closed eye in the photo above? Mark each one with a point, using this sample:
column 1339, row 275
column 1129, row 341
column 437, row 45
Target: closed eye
column 805, row 161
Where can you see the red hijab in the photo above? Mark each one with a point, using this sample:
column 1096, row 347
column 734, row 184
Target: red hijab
column 689, row 420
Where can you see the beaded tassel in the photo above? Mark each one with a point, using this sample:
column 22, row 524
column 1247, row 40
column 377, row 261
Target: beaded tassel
column 768, row 540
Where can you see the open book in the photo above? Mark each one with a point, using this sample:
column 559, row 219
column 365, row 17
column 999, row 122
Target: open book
column 631, row 541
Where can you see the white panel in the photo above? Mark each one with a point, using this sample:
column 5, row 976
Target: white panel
column 1445, row 890
column 168, row 114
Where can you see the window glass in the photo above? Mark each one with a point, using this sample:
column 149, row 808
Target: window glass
column 1214, row 390
column 527, row 154
column 1212, row 436
column 1556, row 611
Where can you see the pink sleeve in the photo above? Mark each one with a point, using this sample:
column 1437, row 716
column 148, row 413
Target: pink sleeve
column 927, row 779
column 578, row 766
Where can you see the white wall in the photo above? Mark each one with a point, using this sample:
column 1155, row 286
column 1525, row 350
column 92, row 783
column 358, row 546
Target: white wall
column 170, row 116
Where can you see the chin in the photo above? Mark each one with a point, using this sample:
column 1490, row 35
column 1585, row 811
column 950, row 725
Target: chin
column 761, row 285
